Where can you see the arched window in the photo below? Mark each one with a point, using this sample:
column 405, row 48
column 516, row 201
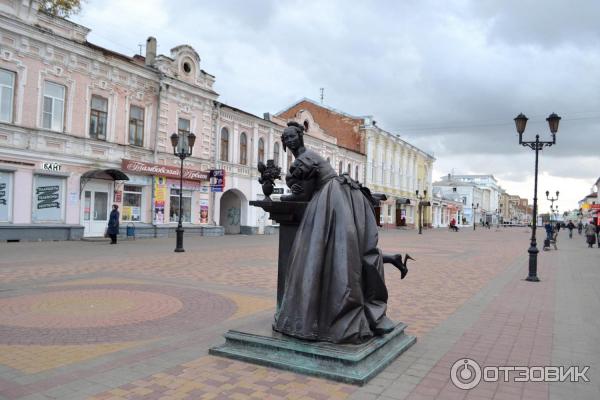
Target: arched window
column 276, row 153
column 356, row 172
column 243, row 149
column 349, row 169
column 340, row 167
column 261, row 150
column 224, row 144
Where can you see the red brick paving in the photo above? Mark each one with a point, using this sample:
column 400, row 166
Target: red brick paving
column 450, row 268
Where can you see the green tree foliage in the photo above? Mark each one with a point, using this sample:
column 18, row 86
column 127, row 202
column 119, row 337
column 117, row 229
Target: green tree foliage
column 61, row 8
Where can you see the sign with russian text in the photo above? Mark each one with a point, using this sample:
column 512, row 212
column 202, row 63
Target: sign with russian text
column 51, row 166
column 169, row 171
column 217, row 180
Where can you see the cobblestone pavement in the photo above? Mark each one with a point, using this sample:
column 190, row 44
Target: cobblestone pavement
column 135, row 321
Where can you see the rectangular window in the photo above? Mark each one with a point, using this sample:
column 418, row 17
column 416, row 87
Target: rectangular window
column 48, row 198
column 183, row 126
column 132, row 203
column 5, row 196
column 98, row 117
column 7, row 92
column 136, row 126
column 53, row 110
column 183, row 129
column 186, row 205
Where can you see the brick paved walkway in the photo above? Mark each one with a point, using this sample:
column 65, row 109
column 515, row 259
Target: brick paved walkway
column 135, row 321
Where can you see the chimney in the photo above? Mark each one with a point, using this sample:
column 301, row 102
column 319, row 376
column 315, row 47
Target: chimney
column 150, row 50
column 267, row 116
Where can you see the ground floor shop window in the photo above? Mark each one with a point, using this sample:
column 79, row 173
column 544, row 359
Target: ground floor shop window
column 5, row 196
column 186, row 206
column 48, row 199
column 132, row 203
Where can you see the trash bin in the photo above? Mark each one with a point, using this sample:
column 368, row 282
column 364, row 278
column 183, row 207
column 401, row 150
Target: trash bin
column 130, row 230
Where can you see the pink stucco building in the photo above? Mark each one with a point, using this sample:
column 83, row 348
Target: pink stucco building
column 83, row 128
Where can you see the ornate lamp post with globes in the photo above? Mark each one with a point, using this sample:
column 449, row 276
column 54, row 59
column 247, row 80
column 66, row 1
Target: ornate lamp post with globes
column 537, row 145
column 551, row 199
column 182, row 143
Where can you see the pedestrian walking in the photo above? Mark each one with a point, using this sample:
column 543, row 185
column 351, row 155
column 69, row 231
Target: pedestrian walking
column 570, row 227
column 598, row 234
column 580, row 227
column 113, row 224
column 590, row 233
column 453, row 225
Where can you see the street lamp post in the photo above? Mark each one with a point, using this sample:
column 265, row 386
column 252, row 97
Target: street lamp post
column 537, row 145
column 421, row 198
column 474, row 207
column 551, row 200
column 182, row 143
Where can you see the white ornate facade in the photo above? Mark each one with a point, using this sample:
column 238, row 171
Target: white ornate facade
column 398, row 169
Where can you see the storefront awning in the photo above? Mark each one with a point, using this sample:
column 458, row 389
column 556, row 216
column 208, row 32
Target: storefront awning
column 107, row 174
column 401, row 201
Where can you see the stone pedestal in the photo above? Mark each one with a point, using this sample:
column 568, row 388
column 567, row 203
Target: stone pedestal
column 349, row 363
column 259, row 344
column 288, row 215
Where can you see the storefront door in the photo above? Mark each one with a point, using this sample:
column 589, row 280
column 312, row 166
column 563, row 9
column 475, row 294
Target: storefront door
column 96, row 208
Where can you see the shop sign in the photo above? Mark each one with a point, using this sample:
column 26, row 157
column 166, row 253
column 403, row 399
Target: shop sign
column 162, row 170
column 217, row 180
column 51, row 166
column 187, row 184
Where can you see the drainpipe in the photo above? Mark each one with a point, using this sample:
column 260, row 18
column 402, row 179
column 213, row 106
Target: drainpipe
column 157, row 131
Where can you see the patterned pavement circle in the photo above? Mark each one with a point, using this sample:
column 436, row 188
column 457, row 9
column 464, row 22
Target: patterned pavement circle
column 108, row 314
column 87, row 308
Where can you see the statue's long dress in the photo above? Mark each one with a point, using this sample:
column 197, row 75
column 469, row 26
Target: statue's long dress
column 335, row 289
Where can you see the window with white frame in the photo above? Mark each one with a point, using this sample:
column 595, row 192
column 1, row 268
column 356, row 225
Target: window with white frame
column 98, row 117
column 136, row 126
column 53, row 109
column 224, row 144
column 276, row 153
column 183, row 126
column 5, row 196
column 132, row 203
column 7, row 92
column 186, row 206
column 48, row 198
column 349, row 170
column 261, row 150
column 243, row 149
column 356, row 172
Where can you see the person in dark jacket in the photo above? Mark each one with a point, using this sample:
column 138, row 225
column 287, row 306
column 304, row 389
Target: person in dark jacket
column 570, row 227
column 113, row 224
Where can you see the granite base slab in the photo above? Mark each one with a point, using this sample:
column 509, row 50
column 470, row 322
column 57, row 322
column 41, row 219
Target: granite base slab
column 349, row 363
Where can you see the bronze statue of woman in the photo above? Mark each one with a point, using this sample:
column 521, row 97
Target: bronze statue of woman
column 335, row 289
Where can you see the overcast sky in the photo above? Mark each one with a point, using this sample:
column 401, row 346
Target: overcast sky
column 449, row 76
